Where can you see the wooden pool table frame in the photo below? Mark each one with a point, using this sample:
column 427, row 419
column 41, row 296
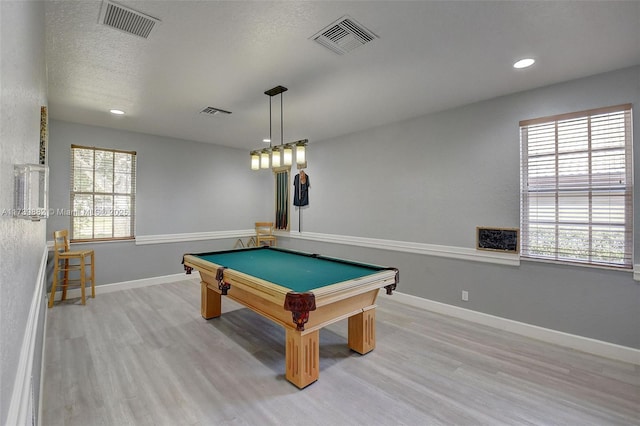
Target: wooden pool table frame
column 353, row 299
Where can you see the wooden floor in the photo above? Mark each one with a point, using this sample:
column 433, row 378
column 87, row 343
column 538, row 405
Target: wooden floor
column 146, row 357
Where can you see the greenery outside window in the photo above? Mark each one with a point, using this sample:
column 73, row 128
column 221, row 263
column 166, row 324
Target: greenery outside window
column 577, row 187
column 103, row 193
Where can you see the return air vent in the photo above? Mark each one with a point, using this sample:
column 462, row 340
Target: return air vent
column 344, row 35
column 125, row 19
column 213, row 111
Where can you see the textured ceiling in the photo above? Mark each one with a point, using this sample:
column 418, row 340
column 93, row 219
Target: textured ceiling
column 430, row 56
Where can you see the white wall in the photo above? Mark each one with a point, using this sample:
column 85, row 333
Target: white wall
column 23, row 87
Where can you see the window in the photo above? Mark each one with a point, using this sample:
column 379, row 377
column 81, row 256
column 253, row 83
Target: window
column 577, row 186
column 103, row 194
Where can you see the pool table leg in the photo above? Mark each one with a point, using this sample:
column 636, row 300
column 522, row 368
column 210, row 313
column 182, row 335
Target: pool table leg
column 210, row 302
column 362, row 331
column 302, row 357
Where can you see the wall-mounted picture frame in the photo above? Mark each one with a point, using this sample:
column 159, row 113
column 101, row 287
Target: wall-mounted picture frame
column 505, row 240
column 44, row 135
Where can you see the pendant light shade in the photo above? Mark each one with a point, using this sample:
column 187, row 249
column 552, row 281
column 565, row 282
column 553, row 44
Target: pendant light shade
column 301, row 156
column 255, row 160
column 275, row 157
column 288, row 155
column 264, row 159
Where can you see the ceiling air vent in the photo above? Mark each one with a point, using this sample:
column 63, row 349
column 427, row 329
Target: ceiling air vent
column 344, row 35
column 213, row 111
column 125, row 19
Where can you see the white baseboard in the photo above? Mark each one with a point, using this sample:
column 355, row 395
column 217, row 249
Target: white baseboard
column 126, row 285
column 21, row 407
column 580, row 343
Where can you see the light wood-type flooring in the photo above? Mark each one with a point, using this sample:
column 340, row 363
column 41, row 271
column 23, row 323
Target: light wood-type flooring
column 146, row 357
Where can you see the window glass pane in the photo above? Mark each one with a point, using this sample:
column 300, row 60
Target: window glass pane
column 608, row 244
column 122, row 206
column 541, row 139
column 573, row 135
column 608, row 131
column 573, row 208
column 83, row 227
column 609, row 167
column 103, row 205
column 608, row 208
column 102, row 226
column 83, row 205
column 121, row 226
column 573, row 170
column 122, row 173
column 542, row 240
column 573, row 242
column 104, row 171
column 542, row 208
column 83, row 170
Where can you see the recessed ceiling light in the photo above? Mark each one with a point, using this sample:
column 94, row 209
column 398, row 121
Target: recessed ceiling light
column 116, row 111
column 524, row 63
column 266, row 140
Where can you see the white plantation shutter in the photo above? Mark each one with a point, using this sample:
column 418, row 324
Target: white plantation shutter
column 577, row 187
column 103, row 194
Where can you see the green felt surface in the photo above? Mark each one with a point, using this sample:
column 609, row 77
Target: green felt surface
column 297, row 272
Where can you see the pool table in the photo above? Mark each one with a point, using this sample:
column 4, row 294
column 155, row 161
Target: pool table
column 302, row 292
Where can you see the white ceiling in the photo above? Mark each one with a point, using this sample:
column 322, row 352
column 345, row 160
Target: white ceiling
column 430, row 56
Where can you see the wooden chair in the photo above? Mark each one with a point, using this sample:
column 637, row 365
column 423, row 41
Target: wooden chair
column 66, row 261
column 264, row 234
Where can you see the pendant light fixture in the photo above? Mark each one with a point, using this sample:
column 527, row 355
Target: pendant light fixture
column 278, row 155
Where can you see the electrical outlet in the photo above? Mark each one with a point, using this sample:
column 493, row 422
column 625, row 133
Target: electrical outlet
column 465, row 295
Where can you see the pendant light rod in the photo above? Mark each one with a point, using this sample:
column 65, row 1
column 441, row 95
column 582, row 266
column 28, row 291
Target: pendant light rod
column 270, row 137
column 281, row 122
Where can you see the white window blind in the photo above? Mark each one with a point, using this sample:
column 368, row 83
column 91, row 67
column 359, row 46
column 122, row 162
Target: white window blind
column 103, row 193
column 577, row 187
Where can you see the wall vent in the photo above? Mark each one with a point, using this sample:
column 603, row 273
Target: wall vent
column 344, row 35
column 125, row 19
column 213, row 111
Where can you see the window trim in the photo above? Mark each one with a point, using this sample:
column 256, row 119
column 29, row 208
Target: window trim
column 556, row 256
column 133, row 196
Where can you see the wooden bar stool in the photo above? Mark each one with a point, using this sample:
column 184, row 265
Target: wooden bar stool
column 66, row 261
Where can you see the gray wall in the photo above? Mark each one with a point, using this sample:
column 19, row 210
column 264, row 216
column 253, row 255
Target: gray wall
column 430, row 180
column 182, row 187
column 23, row 87
column 433, row 179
